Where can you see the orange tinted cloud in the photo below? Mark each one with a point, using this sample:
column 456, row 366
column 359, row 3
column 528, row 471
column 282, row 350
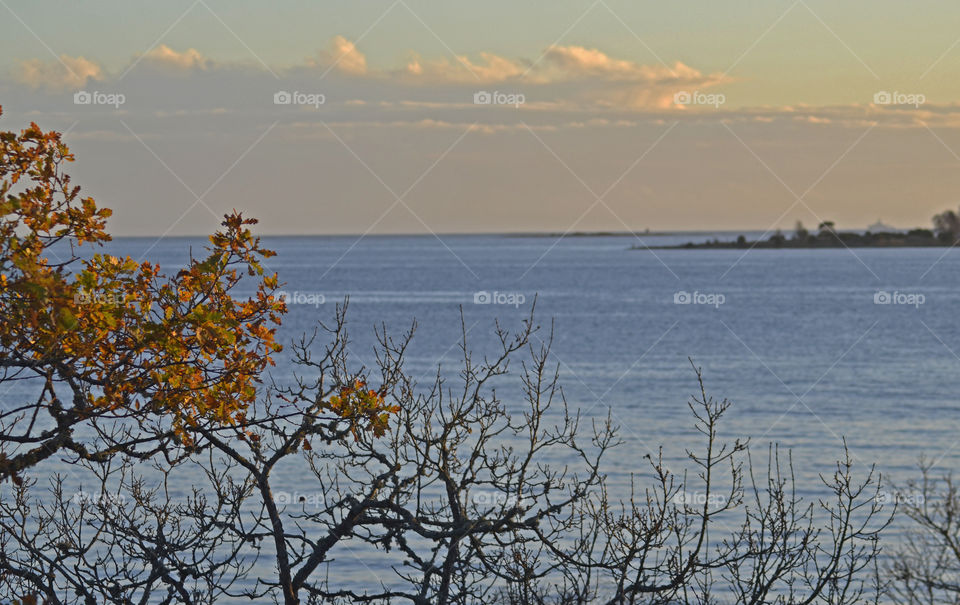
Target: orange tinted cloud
column 342, row 54
column 167, row 57
column 65, row 74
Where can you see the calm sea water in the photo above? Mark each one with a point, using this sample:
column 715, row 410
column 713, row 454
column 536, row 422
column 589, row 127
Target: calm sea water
column 794, row 338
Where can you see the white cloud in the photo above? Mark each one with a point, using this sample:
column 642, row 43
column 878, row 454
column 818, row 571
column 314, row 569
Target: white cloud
column 605, row 81
column 619, row 83
column 55, row 76
column 568, row 86
column 492, row 69
column 165, row 56
column 342, row 54
column 573, row 61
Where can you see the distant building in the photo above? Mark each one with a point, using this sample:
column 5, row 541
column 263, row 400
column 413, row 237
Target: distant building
column 880, row 227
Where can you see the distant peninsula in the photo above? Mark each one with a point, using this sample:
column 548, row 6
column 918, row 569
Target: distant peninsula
column 945, row 233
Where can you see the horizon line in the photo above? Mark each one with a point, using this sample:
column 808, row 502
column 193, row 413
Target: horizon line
column 586, row 233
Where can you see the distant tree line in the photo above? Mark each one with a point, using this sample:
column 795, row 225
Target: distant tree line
column 946, row 227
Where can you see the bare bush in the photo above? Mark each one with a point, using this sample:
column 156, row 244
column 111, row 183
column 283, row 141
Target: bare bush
column 457, row 496
column 925, row 569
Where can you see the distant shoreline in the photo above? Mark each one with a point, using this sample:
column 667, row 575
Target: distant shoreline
column 693, row 233
column 916, row 238
column 611, row 233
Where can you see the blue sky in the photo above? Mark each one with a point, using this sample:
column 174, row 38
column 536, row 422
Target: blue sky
column 784, row 124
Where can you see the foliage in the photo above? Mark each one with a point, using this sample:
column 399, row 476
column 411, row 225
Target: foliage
column 113, row 338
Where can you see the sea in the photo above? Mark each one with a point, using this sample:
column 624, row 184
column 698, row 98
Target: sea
column 816, row 350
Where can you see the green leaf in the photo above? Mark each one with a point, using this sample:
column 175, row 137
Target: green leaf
column 67, row 320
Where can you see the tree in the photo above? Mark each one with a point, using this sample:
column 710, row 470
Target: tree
column 800, row 232
column 110, row 344
column 460, row 494
column 947, row 225
column 778, row 239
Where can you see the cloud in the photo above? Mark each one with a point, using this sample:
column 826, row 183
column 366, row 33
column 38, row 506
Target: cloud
column 564, row 87
column 306, row 130
column 591, row 77
column 165, row 56
column 577, row 62
column 573, row 61
column 569, row 77
column 492, row 69
column 849, row 116
column 104, row 136
column 342, row 54
column 56, row 76
column 621, row 83
column 557, row 64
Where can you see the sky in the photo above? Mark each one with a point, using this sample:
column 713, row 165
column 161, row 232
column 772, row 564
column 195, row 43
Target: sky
column 432, row 116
